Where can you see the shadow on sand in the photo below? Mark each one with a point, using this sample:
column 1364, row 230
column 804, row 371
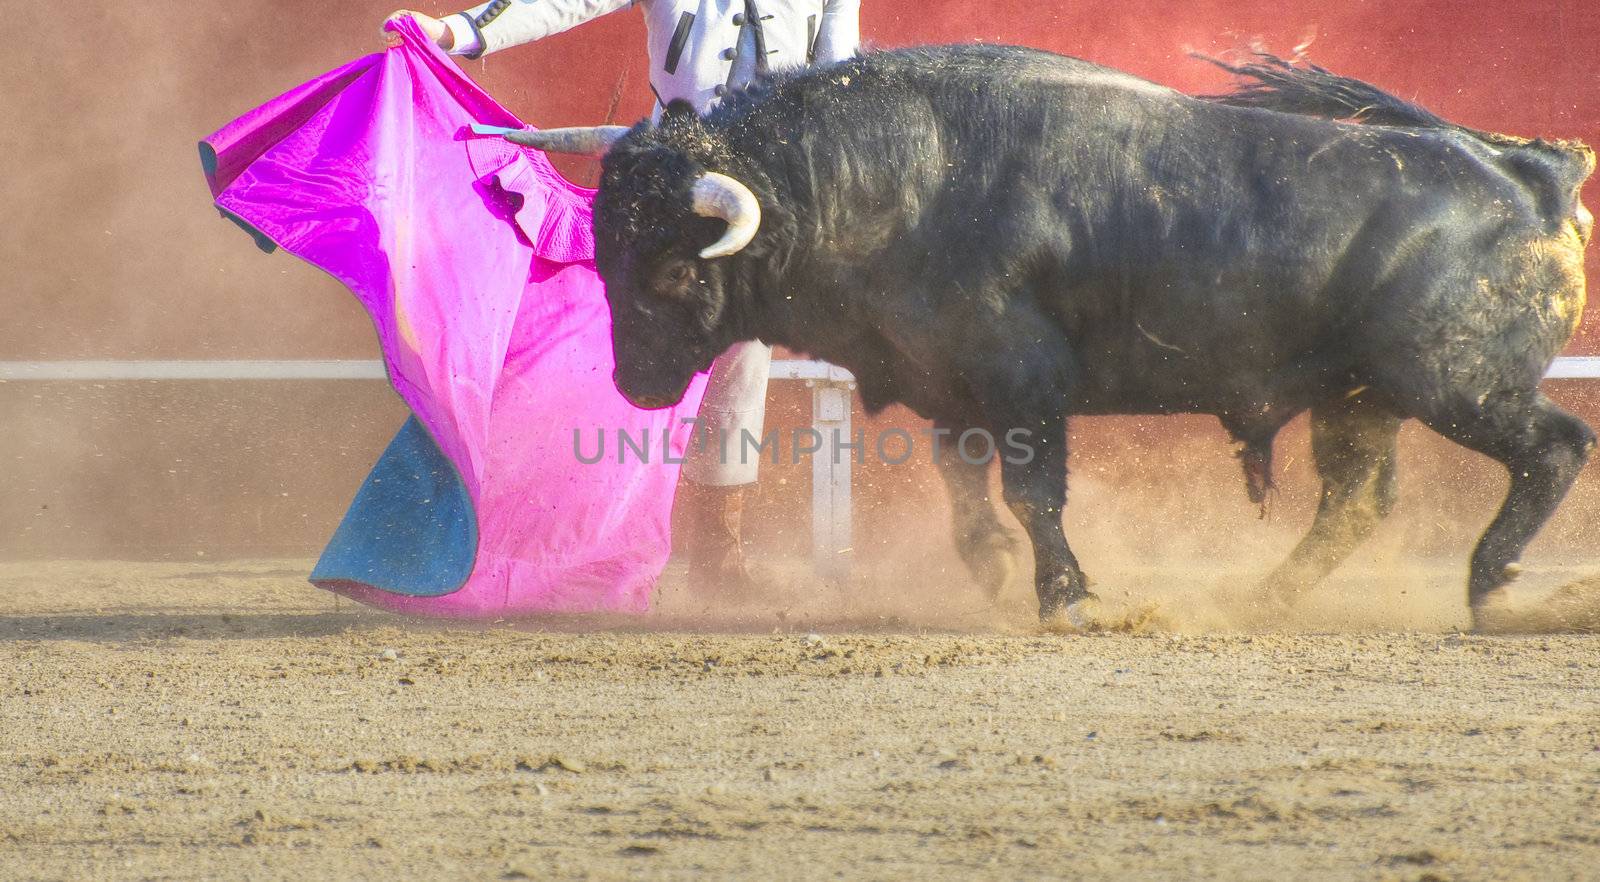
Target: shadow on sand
column 124, row 627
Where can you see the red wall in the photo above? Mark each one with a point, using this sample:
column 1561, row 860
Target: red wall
column 110, row 249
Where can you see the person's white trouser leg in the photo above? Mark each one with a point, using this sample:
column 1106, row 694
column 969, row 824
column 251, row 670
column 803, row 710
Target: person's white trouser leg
column 734, row 407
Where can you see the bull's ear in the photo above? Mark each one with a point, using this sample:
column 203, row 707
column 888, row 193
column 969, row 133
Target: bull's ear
column 678, row 109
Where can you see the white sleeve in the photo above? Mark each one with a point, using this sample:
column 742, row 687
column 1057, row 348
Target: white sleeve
column 840, row 32
column 465, row 38
column 521, row 21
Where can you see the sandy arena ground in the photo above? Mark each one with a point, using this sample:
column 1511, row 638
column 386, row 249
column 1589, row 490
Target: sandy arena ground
column 227, row 721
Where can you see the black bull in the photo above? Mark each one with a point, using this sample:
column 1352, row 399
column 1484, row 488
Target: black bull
column 1000, row 237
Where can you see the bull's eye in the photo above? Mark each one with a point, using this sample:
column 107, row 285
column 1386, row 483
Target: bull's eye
column 676, row 279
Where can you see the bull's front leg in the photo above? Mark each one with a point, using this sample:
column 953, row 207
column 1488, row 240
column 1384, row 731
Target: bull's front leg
column 1036, row 491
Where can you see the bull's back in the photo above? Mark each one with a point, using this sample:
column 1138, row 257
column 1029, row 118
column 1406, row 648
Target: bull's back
column 1167, row 218
column 1184, row 239
column 1244, row 239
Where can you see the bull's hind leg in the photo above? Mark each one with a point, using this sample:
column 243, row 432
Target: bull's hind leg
column 989, row 550
column 1353, row 445
column 1543, row 447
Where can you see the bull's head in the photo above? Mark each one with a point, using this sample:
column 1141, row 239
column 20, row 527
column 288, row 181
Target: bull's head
column 664, row 226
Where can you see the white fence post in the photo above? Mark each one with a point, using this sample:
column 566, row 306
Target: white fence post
column 830, row 477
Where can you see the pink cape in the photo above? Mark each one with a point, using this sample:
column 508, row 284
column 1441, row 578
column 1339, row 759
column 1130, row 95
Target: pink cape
column 475, row 260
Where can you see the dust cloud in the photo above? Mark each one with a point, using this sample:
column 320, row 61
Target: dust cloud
column 1158, row 518
column 1193, row 599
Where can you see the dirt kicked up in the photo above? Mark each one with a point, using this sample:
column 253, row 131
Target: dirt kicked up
column 207, row 722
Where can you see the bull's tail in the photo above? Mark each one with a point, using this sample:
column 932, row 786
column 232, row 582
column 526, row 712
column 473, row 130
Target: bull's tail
column 1556, row 168
column 1273, row 83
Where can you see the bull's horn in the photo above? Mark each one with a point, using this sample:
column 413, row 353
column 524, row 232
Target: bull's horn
column 585, row 140
column 717, row 195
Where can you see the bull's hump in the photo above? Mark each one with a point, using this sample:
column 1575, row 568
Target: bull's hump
column 1011, row 65
column 1078, row 72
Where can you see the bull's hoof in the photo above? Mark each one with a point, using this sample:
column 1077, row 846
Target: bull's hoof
column 993, row 559
column 1082, row 613
column 1270, row 603
column 1494, row 612
column 1283, row 589
column 1486, row 594
column 1255, row 609
column 1491, row 618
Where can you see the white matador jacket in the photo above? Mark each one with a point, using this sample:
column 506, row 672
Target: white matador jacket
column 699, row 49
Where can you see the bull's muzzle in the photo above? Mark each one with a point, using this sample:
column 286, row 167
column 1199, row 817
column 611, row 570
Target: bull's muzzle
column 650, row 402
column 646, row 399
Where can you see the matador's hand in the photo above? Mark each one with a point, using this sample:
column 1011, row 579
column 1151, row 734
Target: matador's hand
column 432, row 27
